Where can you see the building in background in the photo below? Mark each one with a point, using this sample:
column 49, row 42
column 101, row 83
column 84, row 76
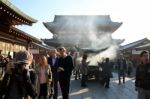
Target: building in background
column 13, row 39
column 83, row 31
column 133, row 50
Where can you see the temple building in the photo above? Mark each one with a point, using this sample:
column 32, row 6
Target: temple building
column 133, row 50
column 83, row 31
column 13, row 39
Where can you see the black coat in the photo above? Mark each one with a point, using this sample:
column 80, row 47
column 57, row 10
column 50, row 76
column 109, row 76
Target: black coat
column 23, row 83
column 67, row 64
column 143, row 76
column 107, row 69
column 53, row 67
column 119, row 64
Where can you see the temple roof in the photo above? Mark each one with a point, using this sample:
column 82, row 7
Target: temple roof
column 84, row 31
column 143, row 47
column 24, row 34
column 135, row 44
column 42, row 46
column 82, row 23
column 15, row 15
column 55, row 42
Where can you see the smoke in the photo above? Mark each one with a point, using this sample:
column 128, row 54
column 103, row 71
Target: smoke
column 84, row 32
column 109, row 53
column 87, row 32
column 94, row 58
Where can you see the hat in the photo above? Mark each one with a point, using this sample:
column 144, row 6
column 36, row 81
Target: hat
column 24, row 56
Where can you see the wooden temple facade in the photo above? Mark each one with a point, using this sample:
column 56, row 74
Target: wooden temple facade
column 74, row 30
column 12, row 39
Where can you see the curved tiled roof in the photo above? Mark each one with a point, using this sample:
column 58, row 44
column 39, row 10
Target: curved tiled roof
column 143, row 47
column 80, row 23
column 17, row 11
column 26, row 34
column 134, row 44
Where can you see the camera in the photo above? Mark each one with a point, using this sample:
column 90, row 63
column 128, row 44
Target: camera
column 17, row 66
column 3, row 64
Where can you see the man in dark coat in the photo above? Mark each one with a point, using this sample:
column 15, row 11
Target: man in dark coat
column 142, row 81
column 121, row 66
column 107, row 71
column 53, row 62
column 65, row 68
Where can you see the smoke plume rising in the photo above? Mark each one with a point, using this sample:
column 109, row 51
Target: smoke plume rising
column 88, row 32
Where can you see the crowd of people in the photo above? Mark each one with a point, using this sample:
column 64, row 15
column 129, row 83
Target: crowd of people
column 24, row 80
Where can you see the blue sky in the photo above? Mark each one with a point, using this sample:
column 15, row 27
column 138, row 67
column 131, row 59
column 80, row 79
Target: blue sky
column 133, row 13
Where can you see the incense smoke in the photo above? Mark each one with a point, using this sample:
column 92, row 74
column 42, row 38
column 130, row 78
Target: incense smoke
column 88, row 32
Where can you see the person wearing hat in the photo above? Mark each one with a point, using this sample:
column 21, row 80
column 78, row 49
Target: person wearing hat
column 16, row 83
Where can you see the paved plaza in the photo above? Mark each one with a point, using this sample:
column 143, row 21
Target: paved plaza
column 96, row 91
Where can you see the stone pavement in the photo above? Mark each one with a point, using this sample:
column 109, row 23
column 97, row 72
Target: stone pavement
column 96, row 91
